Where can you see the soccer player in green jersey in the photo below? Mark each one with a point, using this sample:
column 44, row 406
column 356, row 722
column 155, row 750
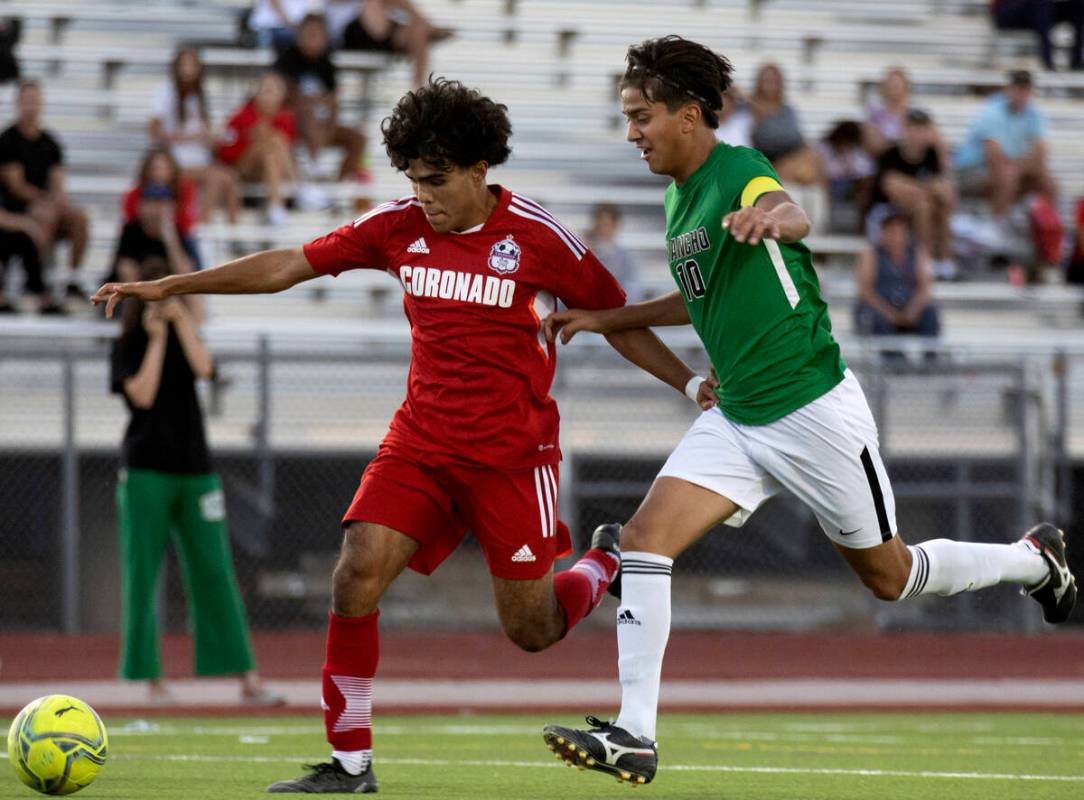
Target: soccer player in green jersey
column 789, row 414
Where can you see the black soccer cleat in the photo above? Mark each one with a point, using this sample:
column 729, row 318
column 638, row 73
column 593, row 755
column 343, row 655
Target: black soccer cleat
column 328, row 778
column 608, row 538
column 605, row 748
column 1057, row 593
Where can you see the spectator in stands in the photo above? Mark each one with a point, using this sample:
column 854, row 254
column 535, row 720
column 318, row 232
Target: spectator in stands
column 1041, row 16
column 777, row 132
column 23, row 238
column 735, row 119
column 386, row 26
column 160, row 176
column 11, row 29
column 619, row 260
column 911, row 177
column 894, row 284
column 258, row 143
column 884, row 118
column 274, row 22
column 168, row 490
column 849, row 172
column 181, row 121
column 152, row 234
column 1003, row 154
column 1075, row 273
column 306, row 66
column 32, row 173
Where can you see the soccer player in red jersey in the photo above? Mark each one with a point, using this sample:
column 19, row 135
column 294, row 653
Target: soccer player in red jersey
column 475, row 444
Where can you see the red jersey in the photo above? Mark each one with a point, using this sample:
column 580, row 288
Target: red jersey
column 239, row 130
column 481, row 367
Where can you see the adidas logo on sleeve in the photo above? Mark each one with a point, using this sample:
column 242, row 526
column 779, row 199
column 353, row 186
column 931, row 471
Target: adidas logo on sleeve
column 523, row 554
column 419, row 246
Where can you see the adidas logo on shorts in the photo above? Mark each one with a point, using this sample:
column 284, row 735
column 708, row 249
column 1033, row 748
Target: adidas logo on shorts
column 523, row 554
column 418, row 246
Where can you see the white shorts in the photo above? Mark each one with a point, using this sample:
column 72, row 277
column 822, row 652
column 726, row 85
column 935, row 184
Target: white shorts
column 825, row 453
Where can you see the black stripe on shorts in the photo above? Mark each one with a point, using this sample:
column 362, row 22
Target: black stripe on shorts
column 878, row 496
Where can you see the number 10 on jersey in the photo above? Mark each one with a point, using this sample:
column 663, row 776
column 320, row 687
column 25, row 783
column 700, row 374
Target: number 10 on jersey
column 689, row 279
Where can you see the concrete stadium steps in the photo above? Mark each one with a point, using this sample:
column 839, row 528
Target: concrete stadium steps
column 569, row 148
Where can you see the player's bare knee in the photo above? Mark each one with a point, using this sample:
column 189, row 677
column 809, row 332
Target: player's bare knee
column 356, row 583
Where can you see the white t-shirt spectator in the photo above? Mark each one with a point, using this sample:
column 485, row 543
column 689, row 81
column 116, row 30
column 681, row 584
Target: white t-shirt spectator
column 339, row 14
column 189, row 154
column 737, row 129
column 264, row 16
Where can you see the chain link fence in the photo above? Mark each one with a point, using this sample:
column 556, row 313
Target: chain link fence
column 979, row 445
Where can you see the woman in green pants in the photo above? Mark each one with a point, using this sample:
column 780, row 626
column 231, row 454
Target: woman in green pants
column 167, row 488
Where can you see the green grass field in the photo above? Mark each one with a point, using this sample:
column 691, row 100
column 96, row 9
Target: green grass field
column 738, row 756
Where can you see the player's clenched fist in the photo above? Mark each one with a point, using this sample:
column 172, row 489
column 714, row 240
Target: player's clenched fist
column 751, row 224
column 705, row 395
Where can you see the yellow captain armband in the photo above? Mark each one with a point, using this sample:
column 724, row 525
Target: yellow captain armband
column 758, row 186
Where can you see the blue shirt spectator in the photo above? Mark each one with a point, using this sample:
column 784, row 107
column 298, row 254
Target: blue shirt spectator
column 1015, row 131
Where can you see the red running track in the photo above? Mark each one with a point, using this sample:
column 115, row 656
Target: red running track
column 588, row 654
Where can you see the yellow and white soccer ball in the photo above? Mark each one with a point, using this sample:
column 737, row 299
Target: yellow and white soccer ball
column 57, row 744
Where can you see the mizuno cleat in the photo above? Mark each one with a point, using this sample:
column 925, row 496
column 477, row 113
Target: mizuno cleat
column 605, row 748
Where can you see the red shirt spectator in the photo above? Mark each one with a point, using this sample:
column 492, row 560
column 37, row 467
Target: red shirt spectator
column 239, row 130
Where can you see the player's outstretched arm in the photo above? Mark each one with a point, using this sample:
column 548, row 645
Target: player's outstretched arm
column 666, row 310
column 260, row 273
column 643, row 348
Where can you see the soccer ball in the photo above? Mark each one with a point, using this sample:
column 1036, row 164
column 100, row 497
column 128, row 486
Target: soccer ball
column 57, row 744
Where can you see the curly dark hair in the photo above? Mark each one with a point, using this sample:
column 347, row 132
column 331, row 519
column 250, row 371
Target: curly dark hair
column 447, row 125
column 674, row 71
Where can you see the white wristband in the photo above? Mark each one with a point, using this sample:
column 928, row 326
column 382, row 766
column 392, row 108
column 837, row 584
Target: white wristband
column 692, row 388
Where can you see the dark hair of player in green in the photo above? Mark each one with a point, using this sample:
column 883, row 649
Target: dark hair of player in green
column 447, row 125
column 674, row 71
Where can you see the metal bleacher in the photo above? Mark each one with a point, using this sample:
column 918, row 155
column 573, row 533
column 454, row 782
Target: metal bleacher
column 554, row 63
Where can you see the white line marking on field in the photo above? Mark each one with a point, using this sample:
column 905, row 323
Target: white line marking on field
column 142, row 728
column 797, row 734
column 441, row 762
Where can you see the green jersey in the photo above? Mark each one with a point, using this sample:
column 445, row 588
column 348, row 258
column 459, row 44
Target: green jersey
column 757, row 309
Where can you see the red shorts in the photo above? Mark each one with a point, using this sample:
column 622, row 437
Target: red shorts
column 512, row 513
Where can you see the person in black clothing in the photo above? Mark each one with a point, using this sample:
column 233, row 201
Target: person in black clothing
column 911, row 177
column 23, row 238
column 32, row 173
column 1041, row 16
column 393, row 26
column 306, row 66
column 11, row 29
column 167, row 489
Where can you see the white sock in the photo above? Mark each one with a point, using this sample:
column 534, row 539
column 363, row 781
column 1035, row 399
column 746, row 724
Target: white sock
column 643, row 627
column 353, row 761
column 945, row 567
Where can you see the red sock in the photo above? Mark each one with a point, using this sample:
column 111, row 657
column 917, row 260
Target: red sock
column 353, row 649
column 581, row 588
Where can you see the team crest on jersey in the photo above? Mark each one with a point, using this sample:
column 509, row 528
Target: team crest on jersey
column 504, row 256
